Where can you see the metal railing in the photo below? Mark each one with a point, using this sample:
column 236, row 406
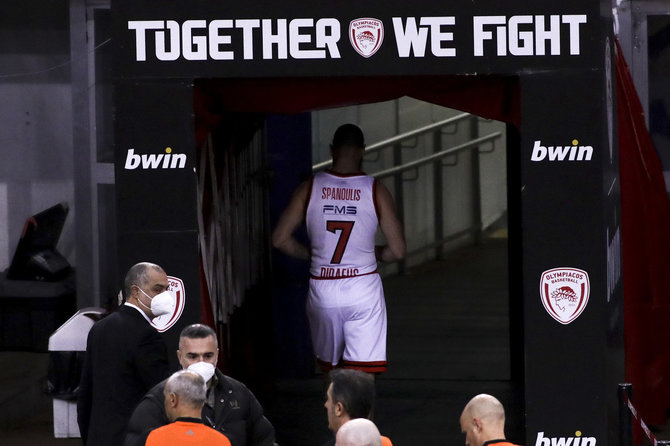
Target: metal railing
column 439, row 153
column 437, row 156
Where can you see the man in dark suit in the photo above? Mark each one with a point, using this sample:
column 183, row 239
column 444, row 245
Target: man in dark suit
column 125, row 357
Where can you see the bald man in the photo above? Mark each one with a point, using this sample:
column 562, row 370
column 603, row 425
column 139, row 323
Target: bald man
column 483, row 422
column 358, row 432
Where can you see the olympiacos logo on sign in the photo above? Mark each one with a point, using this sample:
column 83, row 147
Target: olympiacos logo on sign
column 366, row 35
column 564, row 293
column 164, row 322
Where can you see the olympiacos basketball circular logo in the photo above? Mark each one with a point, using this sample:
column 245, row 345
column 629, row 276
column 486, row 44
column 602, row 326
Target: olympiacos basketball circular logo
column 164, row 322
column 366, row 35
column 564, row 293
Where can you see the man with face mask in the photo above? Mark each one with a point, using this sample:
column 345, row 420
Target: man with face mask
column 125, row 357
column 230, row 406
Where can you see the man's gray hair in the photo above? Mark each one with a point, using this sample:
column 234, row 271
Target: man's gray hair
column 188, row 386
column 138, row 275
column 197, row 331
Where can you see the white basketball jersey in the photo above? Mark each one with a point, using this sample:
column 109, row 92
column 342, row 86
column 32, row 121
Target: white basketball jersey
column 341, row 222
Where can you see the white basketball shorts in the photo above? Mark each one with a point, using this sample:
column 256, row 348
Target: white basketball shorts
column 347, row 319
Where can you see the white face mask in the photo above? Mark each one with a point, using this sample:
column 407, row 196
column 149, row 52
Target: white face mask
column 161, row 303
column 204, row 369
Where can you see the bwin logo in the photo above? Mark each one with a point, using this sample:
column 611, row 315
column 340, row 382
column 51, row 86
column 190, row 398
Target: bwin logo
column 167, row 160
column 575, row 152
column 577, row 440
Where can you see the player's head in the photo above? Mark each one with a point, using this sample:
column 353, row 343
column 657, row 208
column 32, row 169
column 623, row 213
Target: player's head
column 482, row 420
column 359, row 432
column 348, row 141
column 184, row 394
column 350, row 395
column 348, row 135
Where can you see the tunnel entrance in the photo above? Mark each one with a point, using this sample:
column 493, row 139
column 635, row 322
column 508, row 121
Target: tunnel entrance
column 516, row 64
column 449, row 303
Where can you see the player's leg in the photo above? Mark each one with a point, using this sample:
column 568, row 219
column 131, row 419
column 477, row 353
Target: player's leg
column 325, row 323
column 365, row 326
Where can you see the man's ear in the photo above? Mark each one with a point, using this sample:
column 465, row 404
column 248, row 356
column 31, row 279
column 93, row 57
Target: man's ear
column 173, row 400
column 478, row 424
column 339, row 409
column 132, row 293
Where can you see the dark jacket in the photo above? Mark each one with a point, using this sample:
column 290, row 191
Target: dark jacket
column 237, row 415
column 125, row 357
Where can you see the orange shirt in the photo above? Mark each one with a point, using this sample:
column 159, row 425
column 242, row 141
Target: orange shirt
column 186, row 431
column 386, row 441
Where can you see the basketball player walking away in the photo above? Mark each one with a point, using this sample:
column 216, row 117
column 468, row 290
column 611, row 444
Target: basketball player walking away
column 342, row 208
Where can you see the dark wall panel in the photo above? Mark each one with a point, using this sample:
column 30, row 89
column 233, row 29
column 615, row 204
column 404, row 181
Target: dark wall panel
column 156, row 187
column 564, row 257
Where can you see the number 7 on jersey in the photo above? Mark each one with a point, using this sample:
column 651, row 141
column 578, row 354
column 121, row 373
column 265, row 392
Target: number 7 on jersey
column 345, row 227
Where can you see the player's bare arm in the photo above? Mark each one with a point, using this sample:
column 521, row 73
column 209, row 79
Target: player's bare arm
column 390, row 225
column 293, row 215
